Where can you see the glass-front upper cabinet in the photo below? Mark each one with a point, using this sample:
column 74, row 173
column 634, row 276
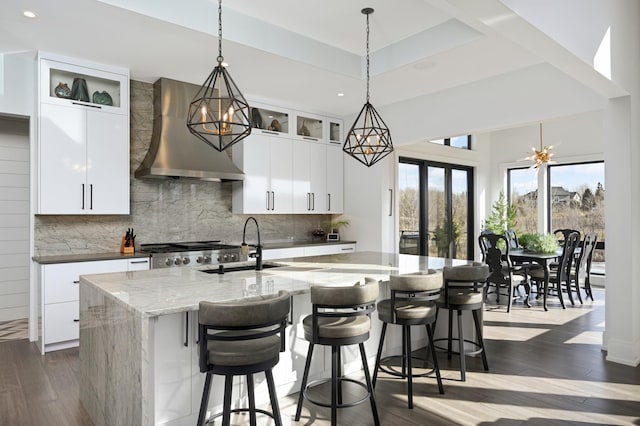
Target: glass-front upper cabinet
column 335, row 131
column 269, row 120
column 309, row 127
column 63, row 83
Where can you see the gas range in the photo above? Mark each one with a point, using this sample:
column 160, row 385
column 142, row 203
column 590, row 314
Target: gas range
column 166, row 255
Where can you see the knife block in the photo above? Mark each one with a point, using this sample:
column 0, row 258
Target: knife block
column 126, row 250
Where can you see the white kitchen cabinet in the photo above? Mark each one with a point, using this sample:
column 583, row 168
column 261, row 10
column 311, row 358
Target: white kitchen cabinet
column 282, row 253
column 139, row 264
column 59, row 295
column 321, row 249
column 309, row 127
column 82, row 146
column 267, row 162
column 335, row 179
column 309, row 177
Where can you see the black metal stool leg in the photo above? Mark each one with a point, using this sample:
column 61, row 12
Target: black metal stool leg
column 205, row 399
column 334, row 384
column 435, row 359
column 339, row 364
column 461, row 347
column 275, row 408
column 367, row 377
column 450, row 333
column 379, row 355
column 226, row 407
column 407, row 336
column 305, row 377
column 476, row 321
column 404, row 352
column 252, row 400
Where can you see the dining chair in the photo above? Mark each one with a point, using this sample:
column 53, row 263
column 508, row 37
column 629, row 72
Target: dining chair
column 502, row 272
column 560, row 276
column 580, row 272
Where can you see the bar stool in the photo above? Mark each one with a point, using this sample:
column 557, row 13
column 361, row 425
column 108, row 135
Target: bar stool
column 340, row 317
column 411, row 304
column 464, row 291
column 238, row 339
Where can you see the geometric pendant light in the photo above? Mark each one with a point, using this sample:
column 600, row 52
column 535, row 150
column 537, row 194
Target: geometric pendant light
column 369, row 139
column 219, row 113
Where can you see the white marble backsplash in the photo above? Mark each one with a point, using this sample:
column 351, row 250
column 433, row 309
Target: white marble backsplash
column 164, row 211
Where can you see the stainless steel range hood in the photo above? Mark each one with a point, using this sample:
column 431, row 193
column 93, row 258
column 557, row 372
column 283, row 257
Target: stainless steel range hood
column 174, row 152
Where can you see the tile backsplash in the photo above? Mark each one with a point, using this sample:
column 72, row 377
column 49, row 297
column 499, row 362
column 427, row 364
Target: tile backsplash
column 163, row 211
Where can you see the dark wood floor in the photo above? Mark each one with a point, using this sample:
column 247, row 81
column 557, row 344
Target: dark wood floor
column 546, row 368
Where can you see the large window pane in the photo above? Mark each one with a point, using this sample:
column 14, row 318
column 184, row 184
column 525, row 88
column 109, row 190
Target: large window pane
column 460, row 208
column 523, row 194
column 437, row 212
column 409, row 188
column 576, row 199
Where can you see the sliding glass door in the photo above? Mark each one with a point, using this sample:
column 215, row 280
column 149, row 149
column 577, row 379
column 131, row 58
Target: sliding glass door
column 435, row 213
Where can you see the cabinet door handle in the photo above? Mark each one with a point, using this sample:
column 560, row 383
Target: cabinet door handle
column 347, row 249
column 76, row 320
column 390, row 202
column 87, row 105
column 310, row 139
column 268, row 204
column 308, row 201
column 273, row 200
column 328, row 202
column 77, row 282
column 139, row 261
column 83, row 196
column 266, row 132
column 313, row 201
column 186, row 334
column 91, row 197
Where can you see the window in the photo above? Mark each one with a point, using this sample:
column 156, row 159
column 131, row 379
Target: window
column 576, row 199
column 522, row 184
column 435, row 214
column 463, row 142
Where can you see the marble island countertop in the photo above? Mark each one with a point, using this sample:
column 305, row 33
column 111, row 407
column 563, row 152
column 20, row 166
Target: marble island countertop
column 166, row 291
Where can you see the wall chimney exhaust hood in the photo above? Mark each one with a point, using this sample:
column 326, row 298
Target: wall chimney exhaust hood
column 174, row 152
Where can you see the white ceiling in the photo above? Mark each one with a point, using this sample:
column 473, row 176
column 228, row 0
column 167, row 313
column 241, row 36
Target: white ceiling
column 302, row 52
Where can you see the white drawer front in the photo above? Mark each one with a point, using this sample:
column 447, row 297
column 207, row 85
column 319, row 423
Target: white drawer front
column 61, row 281
column 139, row 264
column 61, row 322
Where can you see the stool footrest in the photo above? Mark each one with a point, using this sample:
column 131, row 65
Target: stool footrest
column 320, row 382
column 388, row 370
column 471, row 342
column 240, row 410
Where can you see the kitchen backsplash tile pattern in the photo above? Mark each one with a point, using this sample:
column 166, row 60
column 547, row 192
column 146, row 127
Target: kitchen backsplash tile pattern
column 163, row 211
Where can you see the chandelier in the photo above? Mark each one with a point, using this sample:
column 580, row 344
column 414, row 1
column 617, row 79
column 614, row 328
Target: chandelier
column 369, row 139
column 219, row 113
column 541, row 156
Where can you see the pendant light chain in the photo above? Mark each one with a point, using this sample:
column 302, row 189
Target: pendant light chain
column 220, row 58
column 367, row 58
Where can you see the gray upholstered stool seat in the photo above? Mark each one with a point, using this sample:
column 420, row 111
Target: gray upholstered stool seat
column 406, row 310
column 242, row 338
column 340, row 317
column 411, row 304
column 464, row 291
column 337, row 328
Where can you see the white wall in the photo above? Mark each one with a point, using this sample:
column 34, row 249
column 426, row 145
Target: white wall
column 14, row 218
column 17, row 84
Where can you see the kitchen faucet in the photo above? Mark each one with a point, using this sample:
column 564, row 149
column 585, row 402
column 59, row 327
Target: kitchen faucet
column 245, row 248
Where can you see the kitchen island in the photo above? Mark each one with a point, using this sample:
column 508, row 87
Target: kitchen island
column 138, row 330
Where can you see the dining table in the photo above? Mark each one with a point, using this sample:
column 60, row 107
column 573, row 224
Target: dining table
column 521, row 255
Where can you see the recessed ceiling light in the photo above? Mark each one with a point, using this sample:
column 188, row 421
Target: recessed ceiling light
column 29, row 14
column 340, row 94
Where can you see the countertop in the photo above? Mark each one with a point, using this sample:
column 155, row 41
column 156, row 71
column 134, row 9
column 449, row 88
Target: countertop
column 86, row 257
column 89, row 257
column 171, row 290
